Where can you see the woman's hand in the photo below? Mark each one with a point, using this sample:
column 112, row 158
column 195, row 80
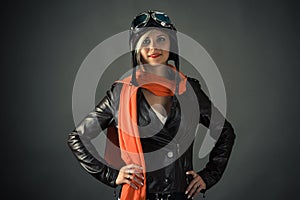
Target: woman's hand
column 196, row 185
column 131, row 174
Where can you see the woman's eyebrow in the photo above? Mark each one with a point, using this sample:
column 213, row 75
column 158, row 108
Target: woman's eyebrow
column 161, row 35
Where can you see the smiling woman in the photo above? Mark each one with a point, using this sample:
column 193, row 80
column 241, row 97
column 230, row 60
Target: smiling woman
column 152, row 116
column 154, row 47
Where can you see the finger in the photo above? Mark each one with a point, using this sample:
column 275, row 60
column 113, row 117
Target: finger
column 129, row 171
column 138, row 181
column 133, row 171
column 127, row 176
column 140, row 176
column 131, row 184
column 192, row 173
column 191, row 185
column 192, row 191
column 136, row 172
column 188, row 188
column 131, row 166
column 197, row 191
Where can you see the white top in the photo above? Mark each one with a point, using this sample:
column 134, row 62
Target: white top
column 162, row 118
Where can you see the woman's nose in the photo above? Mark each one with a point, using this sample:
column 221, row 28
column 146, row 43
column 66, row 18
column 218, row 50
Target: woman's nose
column 153, row 45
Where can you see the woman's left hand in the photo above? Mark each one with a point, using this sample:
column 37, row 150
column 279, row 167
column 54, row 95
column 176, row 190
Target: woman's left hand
column 195, row 186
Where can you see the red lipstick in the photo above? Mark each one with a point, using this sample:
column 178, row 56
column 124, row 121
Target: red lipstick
column 155, row 55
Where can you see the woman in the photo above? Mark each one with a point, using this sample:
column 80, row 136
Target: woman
column 150, row 115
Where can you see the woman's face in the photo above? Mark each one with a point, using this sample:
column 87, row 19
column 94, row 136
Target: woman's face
column 155, row 46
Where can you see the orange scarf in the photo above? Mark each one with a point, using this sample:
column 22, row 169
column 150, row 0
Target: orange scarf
column 129, row 140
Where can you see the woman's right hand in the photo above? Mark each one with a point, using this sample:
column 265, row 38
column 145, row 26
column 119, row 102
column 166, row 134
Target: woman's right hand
column 131, row 174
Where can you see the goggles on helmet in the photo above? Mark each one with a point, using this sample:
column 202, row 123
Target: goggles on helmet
column 161, row 18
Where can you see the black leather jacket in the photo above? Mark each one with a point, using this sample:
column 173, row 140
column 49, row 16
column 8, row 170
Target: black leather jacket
column 172, row 177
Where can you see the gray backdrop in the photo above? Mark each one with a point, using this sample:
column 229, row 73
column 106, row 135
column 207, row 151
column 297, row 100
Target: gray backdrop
column 255, row 44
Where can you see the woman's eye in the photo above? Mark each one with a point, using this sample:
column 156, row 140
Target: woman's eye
column 146, row 41
column 161, row 39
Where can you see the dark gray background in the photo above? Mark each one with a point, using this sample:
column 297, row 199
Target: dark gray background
column 255, row 44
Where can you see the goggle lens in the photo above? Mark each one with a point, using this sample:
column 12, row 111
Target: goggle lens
column 162, row 17
column 140, row 20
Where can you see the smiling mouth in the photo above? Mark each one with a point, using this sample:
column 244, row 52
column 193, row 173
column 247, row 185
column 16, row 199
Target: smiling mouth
column 154, row 55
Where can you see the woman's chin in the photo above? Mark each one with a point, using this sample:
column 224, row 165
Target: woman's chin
column 156, row 64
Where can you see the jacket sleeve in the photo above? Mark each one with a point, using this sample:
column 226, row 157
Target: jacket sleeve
column 221, row 130
column 79, row 141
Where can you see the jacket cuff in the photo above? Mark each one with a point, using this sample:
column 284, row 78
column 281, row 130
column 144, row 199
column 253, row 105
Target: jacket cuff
column 112, row 177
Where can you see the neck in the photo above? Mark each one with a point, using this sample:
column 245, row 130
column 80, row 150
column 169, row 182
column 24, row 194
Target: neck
column 160, row 69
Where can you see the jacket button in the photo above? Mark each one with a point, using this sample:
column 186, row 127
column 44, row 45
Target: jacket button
column 170, row 154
